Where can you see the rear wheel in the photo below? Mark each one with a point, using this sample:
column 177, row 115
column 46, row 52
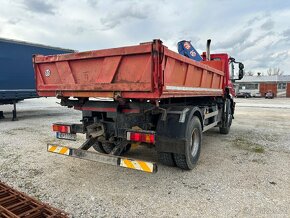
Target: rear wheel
column 106, row 148
column 98, row 147
column 166, row 158
column 188, row 160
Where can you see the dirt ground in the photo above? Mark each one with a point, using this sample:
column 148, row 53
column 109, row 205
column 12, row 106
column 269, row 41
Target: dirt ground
column 243, row 174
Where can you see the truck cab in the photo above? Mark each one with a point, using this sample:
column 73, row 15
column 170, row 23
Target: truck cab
column 229, row 65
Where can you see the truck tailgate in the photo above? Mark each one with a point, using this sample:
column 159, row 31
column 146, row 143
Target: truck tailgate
column 124, row 69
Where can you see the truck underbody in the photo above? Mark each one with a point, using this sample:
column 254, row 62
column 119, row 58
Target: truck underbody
column 172, row 126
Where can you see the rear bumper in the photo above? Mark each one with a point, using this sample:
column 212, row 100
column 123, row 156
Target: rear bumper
column 140, row 165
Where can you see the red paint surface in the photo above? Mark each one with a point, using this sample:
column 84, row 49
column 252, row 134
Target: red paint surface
column 141, row 71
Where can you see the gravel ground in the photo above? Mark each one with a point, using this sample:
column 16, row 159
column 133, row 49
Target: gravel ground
column 243, row 174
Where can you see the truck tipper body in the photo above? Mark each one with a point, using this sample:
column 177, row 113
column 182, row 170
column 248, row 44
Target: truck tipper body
column 139, row 94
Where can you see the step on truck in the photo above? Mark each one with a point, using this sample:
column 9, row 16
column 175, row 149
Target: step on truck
column 145, row 94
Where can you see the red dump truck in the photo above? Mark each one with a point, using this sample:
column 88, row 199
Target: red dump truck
column 144, row 94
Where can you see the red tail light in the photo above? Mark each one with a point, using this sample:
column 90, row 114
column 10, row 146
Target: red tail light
column 61, row 128
column 135, row 136
column 141, row 137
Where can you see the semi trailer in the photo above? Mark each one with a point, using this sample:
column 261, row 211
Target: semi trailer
column 16, row 73
column 143, row 94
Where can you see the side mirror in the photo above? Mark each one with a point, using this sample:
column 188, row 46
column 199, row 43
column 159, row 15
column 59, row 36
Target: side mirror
column 232, row 61
column 241, row 66
column 241, row 71
column 241, row 74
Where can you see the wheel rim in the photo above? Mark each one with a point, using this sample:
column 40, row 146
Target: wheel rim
column 195, row 140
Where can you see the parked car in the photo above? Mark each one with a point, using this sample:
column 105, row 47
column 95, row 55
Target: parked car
column 257, row 95
column 244, row 95
column 269, row 94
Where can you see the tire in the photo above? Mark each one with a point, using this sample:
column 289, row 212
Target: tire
column 228, row 115
column 166, row 158
column 98, row 147
column 188, row 160
column 106, row 148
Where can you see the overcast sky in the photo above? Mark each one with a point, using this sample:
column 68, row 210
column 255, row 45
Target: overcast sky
column 256, row 32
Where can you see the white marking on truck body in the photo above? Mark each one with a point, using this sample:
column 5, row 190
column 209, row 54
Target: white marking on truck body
column 182, row 88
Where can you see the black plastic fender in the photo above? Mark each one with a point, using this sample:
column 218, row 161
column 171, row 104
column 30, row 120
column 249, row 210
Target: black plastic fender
column 172, row 127
column 233, row 105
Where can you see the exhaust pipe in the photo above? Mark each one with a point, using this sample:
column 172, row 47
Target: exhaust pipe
column 208, row 49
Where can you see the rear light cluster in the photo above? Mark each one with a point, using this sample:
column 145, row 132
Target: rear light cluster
column 61, row 128
column 141, row 137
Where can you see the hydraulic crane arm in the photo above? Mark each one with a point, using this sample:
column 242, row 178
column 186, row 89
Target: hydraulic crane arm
column 186, row 49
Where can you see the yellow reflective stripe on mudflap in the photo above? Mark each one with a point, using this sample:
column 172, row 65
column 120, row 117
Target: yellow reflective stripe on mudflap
column 51, row 148
column 144, row 166
column 137, row 165
column 63, row 150
column 58, row 149
column 129, row 164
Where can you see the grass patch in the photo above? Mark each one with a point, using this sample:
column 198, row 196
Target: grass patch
column 15, row 130
column 259, row 149
column 247, row 145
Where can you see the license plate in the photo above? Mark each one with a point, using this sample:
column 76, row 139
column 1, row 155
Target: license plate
column 67, row 136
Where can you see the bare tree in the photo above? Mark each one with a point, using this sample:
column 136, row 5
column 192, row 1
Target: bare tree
column 274, row 71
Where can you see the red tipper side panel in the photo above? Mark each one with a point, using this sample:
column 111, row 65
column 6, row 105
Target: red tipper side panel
column 145, row 71
column 186, row 77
